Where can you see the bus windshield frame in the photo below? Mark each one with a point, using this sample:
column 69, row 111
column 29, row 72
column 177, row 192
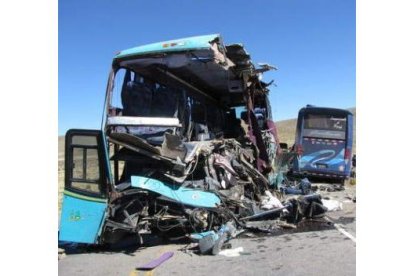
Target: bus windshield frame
column 325, row 125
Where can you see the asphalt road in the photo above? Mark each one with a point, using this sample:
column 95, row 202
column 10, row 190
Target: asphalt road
column 313, row 249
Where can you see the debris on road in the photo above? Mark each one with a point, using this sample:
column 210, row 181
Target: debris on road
column 332, row 205
column 331, row 187
column 234, row 252
column 61, row 253
column 157, row 262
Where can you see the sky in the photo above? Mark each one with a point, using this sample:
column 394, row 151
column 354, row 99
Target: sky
column 312, row 43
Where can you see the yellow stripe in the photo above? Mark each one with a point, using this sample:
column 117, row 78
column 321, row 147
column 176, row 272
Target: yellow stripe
column 146, row 273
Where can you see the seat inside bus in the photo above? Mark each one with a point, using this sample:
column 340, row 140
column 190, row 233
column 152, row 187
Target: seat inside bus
column 141, row 97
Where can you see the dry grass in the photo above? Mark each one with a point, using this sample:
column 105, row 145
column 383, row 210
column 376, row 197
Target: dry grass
column 287, row 129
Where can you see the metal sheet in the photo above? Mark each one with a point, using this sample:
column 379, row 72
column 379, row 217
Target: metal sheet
column 81, row 219
column 134, row 141
column 176, row 45
column 186, row 196
column 143, row 121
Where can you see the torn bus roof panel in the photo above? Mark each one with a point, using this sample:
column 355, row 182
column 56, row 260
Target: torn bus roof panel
column 238, row 55
column 182, row 44
column 197, row 68
column 203, row 62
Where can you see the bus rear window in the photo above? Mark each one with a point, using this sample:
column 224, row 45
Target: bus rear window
column 325, row 126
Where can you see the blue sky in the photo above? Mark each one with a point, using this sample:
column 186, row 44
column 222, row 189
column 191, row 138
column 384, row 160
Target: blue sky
column 311, row 42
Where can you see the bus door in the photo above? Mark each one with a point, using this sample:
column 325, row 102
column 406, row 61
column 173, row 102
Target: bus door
column 85, row 198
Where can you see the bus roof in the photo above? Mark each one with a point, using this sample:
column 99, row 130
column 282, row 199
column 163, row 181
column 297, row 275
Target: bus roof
column 201, row 64
column 181, row 44
column 324, row 110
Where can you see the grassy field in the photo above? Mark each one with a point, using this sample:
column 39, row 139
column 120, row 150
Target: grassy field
column 286, row 130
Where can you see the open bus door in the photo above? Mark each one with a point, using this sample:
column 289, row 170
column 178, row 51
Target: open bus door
column 85, row 198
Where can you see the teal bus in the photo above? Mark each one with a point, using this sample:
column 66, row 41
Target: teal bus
column 168, row 106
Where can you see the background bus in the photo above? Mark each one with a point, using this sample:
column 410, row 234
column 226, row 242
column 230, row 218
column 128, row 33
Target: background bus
column 323, row 142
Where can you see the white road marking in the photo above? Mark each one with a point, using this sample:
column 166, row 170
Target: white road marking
column 341, row 230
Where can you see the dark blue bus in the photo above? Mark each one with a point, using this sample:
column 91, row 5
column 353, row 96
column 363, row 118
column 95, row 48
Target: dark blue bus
column 323, row 142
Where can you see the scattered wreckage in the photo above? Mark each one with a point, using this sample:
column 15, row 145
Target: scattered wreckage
column 188, row 148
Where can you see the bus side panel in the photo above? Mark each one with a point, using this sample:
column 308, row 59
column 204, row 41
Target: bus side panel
column 350, row 142
column 81, row 220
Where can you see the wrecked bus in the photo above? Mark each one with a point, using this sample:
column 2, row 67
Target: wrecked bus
column 187, row 145
column 323, row 142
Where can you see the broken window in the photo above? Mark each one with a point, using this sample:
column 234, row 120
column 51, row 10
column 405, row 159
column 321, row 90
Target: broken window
column 85, row 174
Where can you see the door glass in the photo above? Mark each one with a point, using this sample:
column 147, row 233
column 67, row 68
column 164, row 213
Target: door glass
column 77, row 163
column 92, row 170
column 86, row 174
column 87, row 187
column 84, row 140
